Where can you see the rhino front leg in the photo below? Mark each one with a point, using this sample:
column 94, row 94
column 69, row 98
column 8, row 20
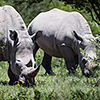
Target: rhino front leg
column 46, row 63
column 36, row 47
column 69, row 58
column 12, row 77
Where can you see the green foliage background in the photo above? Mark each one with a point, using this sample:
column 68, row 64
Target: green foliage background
column 61, row 86
column 29, row 9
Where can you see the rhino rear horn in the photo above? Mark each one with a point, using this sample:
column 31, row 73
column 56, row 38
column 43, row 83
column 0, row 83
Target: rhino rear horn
column 34, row 72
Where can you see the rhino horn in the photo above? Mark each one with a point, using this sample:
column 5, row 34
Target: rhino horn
column 33, row 72
column 93, row 67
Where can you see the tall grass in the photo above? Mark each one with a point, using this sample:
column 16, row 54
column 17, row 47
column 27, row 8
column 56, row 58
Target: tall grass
column 58, row 87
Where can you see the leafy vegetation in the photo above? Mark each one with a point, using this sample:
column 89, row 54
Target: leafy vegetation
column 91, row 6
column 58, row 87
column 29, row 9
column 61, row 86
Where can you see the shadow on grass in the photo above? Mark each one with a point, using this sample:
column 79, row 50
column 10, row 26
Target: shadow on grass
column 3, row 83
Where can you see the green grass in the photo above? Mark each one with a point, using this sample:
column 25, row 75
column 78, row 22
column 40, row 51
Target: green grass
column 59, row 87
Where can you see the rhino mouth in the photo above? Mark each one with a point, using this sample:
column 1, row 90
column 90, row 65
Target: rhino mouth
column 89, row 66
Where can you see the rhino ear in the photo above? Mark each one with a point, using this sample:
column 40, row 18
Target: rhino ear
column 13, row 35
column 77, row 36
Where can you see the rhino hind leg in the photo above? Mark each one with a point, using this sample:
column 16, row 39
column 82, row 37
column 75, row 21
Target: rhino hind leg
column 69, row 58
column 13, row 78
column 46, row 63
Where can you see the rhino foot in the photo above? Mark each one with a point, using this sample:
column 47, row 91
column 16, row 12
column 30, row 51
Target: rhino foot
column 50, row 73
column 12, row 82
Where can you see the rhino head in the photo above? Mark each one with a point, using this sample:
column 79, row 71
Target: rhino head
column 86, row 62
column 21, row 55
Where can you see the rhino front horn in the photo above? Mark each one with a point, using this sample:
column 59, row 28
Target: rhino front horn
column 33, row 73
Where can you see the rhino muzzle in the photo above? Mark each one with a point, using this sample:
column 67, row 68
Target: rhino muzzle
column 88, row 70
column 24, row 72
column 28, row 74
column 88, row 66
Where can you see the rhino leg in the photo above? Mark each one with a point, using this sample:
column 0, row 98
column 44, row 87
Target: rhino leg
column 69, row 58
column 76, row 61
column 46, row 63
column 12, row 77
column 36, row 47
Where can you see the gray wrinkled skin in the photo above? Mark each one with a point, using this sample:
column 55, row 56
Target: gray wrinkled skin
column 62, row 34
column 16, row 46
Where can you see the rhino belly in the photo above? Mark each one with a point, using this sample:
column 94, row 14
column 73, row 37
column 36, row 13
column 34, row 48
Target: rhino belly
column 48, row 45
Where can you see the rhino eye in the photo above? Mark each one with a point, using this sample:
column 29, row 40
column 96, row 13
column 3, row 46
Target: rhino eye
column 29, row 64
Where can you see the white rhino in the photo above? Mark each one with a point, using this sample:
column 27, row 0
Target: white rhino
column 62, row 34
column 16, row 46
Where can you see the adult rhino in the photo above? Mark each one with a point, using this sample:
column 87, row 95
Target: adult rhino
column 62, row 34
column 16, row 46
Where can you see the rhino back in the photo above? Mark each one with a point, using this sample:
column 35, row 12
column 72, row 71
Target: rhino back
column 46, row 20
column 56, row 20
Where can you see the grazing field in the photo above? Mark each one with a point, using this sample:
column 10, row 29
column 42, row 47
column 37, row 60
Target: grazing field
column 58, row 87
